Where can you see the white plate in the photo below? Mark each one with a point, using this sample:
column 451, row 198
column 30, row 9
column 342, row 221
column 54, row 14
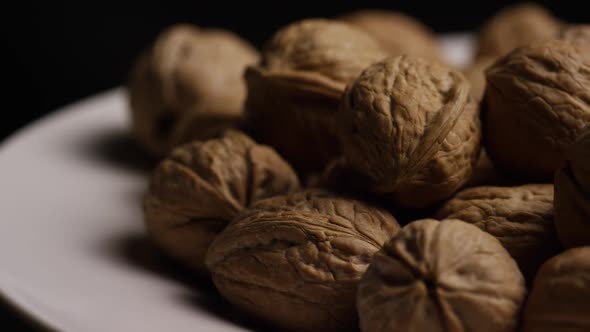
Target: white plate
column 73, row 252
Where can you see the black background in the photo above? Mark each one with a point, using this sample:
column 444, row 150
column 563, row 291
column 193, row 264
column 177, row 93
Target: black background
column 60, row 52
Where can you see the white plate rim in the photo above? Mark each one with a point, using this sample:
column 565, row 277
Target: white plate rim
column 7, row 296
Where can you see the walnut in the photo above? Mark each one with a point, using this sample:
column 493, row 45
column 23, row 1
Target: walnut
column 475, row 73
column 188, row 71
column 201, row 186
column 294, row 94
column 411, row 126
column 560, row 298
column 572, row 195
column 538, row 101
column 514, row 27
column 520, row 217
column 398, row 34
column 576, row 33
column 441, row 276
column 295, row 260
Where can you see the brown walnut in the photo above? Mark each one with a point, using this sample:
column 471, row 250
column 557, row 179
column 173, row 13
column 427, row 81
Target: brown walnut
column 576, row 33
column 485, row 173
column 520, row 217
column 398, row 34
column 296, row 260
column 199, row 188
column 475, row 73
column 560, row 298
column 444, row 276
column 572, row 195
column 411, row 126
column 514, row 27
column 538, row 102
column 293, row 96
column 187, row 86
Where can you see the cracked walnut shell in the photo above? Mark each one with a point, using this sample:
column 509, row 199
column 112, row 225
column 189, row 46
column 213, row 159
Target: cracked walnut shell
column 514, row 27
column 520, row 217
column 411, row 126
column 441, row 276
column 560, row 298
column 572, row 195
column 198, row 189
column 538, row 102
column 295, row 260
column 397, row 33
column 294, row 94
column 189, row 75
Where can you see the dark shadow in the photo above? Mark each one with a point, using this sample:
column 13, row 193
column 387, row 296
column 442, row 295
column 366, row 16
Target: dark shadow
column 138, row 251
column 219, row 307
column 406, row 216
column 117, row 147
column 14, row 320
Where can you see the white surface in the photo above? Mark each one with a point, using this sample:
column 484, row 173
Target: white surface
column 458, row 48
column 72, row 248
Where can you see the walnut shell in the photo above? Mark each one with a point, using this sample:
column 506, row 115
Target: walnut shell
column 188, row 71
column 297, row 88
column 572, row 195
column 514, row 27
column 198, row 189
column 296, row 260
column 560, row 298
column 441, row 276
column 397, row 33
column 411, row 126
column 538, row 102
column 520, row 217
column 579, row 33
column 476, row 75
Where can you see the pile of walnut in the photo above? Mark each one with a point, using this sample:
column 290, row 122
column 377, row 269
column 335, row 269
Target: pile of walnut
column 338, row 179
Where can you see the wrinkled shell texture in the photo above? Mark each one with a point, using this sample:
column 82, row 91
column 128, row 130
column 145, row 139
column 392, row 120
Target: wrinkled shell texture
column 560, row 298
column 201, row 186
column 188, row 70
column 572, row 195
column 520, row 217
column 330, row 48
column 297, row 88
column 515, row 27
column 444, row 276
column 475, row 73
column 397, row 33
column 538, row 102
column 412, row 127
column 296, row 260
